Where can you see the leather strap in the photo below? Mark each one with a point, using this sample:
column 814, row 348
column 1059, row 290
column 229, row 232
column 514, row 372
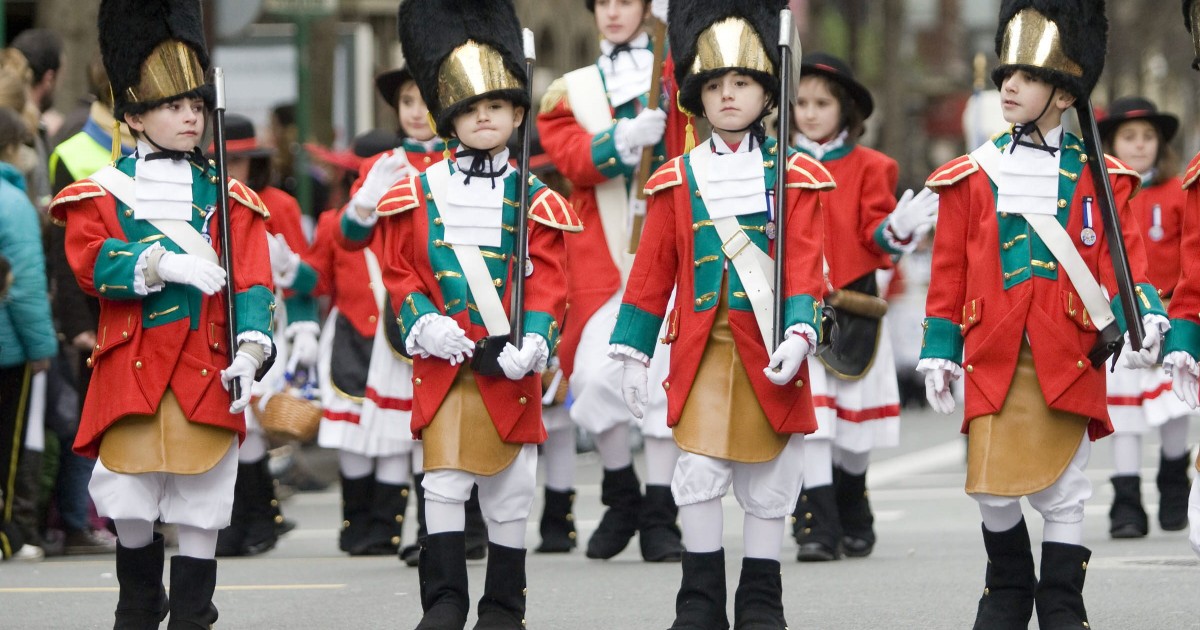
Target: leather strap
column 1060, row 245
column 753, row 266
column 180, row 232
column 589, row 104
column 479, row 279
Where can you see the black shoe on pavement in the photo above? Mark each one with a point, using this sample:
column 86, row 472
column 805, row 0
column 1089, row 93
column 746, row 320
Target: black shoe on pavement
column 1173, row 489
column 621, row 493
column 658, row 532
column 1127, row 517
column 1007, row 601
column 557, row 526
column 816, row 525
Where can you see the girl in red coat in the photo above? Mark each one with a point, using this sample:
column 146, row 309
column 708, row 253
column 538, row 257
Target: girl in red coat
column 1140, row 399
column 855, row 389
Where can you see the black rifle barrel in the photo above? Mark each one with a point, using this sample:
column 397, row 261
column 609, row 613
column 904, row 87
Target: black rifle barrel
column 1112, row 223
column 516, row 316
column 781, row 159
column 235, row 389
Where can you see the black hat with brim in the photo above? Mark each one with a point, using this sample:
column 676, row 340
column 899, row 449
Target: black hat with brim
column 388, row 85
column 1131, row 108
column 838, row 71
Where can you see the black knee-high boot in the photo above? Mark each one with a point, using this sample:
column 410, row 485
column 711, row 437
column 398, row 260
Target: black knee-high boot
column 1173, row 488
column 854, row 513
column 387, row 519
column 1007, row 601
column 700, row 603
column 232, row 539
column 143, row 602
column 476, row 528
column 411, row 554
column 621, row 493
column 357, row 496
column 1059, row 598
column 557, row 526
column 193, row 581
column 1127, row 517
column 816, row 527
column 658, row 531
column 262, row 509
column 502, row 606
column 758, row 601
column 443, row 575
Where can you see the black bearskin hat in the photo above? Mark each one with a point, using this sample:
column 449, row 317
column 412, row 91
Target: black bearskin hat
column 1191, row 15
column 460, row 51
column 1062, row 41
column 154, row 52
column 691, row 26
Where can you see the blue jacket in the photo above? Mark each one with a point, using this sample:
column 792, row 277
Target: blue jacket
column 26, row 331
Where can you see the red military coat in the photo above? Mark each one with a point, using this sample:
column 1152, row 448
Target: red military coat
column 175, row 338
column 418, row 158
column 342, row 275
column 856, row 213
column 1162, row 244
column 1185, row 302
column 285, row 221
column 994, row 284
column 422, row 277
column 680, row 250
column 588, row 160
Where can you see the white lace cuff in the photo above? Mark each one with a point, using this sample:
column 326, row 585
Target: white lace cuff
column 1161, row 322
column 925, row 366
column 253, row 336
column 413, row 348
column 806, row 331
column 146, row 280
column 543, row 356
column 620, row 352
column 352, row 211
column 1178, row 359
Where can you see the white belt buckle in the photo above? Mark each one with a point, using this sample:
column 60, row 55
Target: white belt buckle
column 741, row 246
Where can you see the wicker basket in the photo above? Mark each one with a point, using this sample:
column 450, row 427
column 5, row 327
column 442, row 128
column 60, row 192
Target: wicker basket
column 291, row 416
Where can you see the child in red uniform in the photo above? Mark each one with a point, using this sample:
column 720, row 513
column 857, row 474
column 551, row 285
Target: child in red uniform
column 855, row 393
column 1138, row 134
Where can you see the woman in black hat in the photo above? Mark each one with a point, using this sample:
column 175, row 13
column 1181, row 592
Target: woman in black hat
column 1137, row 133
column 856, row 394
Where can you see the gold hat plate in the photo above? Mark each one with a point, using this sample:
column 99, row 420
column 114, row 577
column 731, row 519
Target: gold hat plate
column 731, row 43
column 473, row 69
column 171, row 69
column 1032, row 39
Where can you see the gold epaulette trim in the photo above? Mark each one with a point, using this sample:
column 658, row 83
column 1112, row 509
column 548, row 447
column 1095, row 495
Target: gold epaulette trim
column 402, row 197
column 1192, row 174
column 952, row 172
column 247, row 197
column 85, row 189
column 550, row 209
column 1117, row 167
column 555, row 94
column 805, row 172
column 667, row 176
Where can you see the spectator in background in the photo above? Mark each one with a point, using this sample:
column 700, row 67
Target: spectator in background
column 15, row 82
column 285, row 138
column 27, row 340
column 43, row 50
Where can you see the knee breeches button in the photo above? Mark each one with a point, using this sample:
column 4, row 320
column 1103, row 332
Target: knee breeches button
column 399, row 518
column 395, row 540
column 345, row 524
column 404, row 492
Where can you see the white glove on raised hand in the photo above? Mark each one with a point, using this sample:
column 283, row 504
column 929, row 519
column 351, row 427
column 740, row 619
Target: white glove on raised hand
column 634, row 388
column 517, row 363
column 937, row 390
column 241, row 368
column 191, row 270
column 1185, row 376
column 786, row 359
column 660, row 9
column 384, row 174
column 443, row 338
column 304, row 349
column 644, row 130
column 912, row 213
column 1151, row 344
column 283, row 260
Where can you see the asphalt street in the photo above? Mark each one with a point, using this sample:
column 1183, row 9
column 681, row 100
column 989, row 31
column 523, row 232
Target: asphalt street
column 926, row 572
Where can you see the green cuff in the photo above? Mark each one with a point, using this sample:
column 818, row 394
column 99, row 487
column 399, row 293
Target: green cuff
column 539, row 323
column 802, row 309
column 415, row 306
column 301, row 308
column 255, row 310
column 943, row 340
column 352, row 230
column 605, row 155
column 306, row 279
column 636, row 328
column 1184, row 336
column 114, row 270
column 882, row 241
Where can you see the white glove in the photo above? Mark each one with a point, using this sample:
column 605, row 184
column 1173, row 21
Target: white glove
column 660, row 9
column 1151, row 344
column 517, row 363
column 913, row 212
column 937, row 390
column 241, row 368
column 284, row 261
column 644, row 130
column 786, row 359
column 191, row 270
column 304, row 350
column 442, row 338
column 634, row 387
column 383, row 175
column 1185, row 376
column 1194, row 516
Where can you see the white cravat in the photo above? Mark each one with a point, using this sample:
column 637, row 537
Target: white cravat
column 818, row 150
column 473, row 210
column 164, row 187
column 628, row 76
column 736, row 179
column 1028, row 182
